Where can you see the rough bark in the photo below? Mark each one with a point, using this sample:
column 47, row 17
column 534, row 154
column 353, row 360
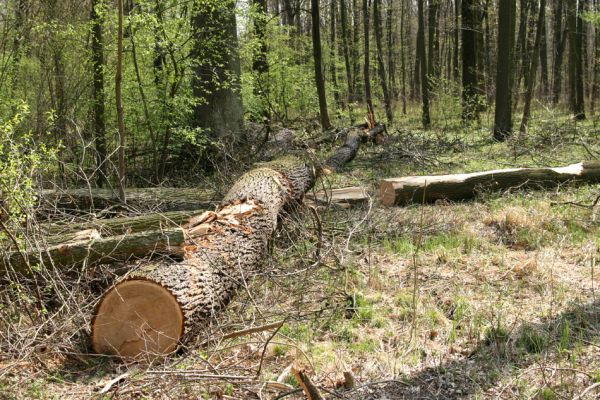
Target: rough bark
column 346, row 49
column 559, row 45
column 223, row 249
column 416, row 189
column 119, row 103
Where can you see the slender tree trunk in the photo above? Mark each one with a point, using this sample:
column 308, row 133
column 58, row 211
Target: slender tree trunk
column 533, row 67
column 521, row 51
column 559, row 37
column 98, row 108
column 390, row 51
column 260, row 64
column 366, row 65
column 544, row 60
column 332, row 61
column 403, row 54
column 346, row 50
column 119, row 101
column 469, row 61
column 596, row 64
column 432, row 58
column 355, row 50
column 318, row 60
column 381, row 66
column 457, row 8
column 423, row 64
column 506, row 32
column 576, row 33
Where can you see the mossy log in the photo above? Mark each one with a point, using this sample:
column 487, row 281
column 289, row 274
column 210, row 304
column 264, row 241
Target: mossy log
column 155, row 309
column 156, row 199
column 416, row 189
column 89, row 248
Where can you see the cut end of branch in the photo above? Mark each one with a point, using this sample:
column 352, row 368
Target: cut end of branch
column 387, row 193
column 137, row 319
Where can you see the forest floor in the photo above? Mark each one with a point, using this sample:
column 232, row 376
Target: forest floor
column 492, row 298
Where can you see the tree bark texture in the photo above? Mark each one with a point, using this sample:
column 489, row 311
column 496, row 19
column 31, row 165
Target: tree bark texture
column 318, row 61
column 223, row 249
column 503, row 124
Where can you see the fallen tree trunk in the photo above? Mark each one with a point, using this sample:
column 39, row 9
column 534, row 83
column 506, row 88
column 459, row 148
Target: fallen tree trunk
column 95, row 250
column 151, row 312
column 156, row 199
column 416, row 189
column 343, row 196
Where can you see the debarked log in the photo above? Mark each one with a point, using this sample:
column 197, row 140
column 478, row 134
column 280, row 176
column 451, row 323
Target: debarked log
column 417, row 189
column 158, row 307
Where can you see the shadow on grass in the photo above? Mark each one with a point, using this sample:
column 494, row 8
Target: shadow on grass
column 489, row 371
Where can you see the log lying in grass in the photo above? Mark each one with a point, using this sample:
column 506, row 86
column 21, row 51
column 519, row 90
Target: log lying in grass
column 416, row 189
column 343, row 196
column 95, row 250
column 158, row 199
column 151, row 312
column 122, row 225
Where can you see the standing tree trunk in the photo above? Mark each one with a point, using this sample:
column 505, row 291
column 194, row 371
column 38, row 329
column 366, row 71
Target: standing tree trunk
column 119, row 101
column 367, row 66
column 260, row 64
column 432, row 58
column 381, row 66
column 98, row 124
column 355, row 50
column 346, row 50
column 391, row 71
column 318, row 60
column 469, row 61
column 533, row 67
column 576, row 33
column 457, row 8
column 544, row 60
column 596, row 64
column 559, row 38
column 423, row 64
column 521, row 50
column 216, row 73
column 403, row 55
column 332, row 61
column 506, row 33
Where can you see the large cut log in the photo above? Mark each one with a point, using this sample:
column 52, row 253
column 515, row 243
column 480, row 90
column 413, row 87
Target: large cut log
column 156, row 308
column 95, row 250
column 157, row 199
column 416, row 189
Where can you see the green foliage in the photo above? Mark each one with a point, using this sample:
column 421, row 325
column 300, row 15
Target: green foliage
column 21, row 159
column 532, row 340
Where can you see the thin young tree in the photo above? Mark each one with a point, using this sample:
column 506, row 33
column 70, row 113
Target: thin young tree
column 119, row 101
column 559, row 38
column 98, row 98
column 576, row 33
column 318, row 61
column 346, row 49
column 533, row 67
column 469, row 61
column 381, row 66
column 367, row 65
column 332, row 55
column 423, row 64
column 506, row 32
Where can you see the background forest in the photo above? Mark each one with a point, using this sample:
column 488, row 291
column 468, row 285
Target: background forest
column 494, row 298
